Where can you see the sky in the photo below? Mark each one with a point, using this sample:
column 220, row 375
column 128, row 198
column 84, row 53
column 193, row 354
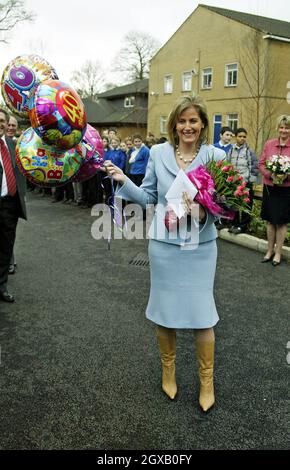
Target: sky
column 67, row 33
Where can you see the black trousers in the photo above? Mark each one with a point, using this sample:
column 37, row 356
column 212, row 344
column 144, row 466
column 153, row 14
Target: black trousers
column 66, row 191
column 8, row 224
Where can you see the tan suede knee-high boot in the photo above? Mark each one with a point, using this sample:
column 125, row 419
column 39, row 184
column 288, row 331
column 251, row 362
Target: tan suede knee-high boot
column 205, row 356
column 167, row 343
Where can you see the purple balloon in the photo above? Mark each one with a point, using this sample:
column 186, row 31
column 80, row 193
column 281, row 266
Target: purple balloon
column 93, row 151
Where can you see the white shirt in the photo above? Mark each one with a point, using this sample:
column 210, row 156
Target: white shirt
column 134, row 154
column 4, row 188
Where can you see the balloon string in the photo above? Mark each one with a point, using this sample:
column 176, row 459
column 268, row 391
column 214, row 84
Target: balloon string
column 115, row 213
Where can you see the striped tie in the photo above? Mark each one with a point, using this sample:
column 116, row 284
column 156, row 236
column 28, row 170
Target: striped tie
column 8, row 169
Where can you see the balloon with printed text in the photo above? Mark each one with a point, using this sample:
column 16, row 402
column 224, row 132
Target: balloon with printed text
column 57, row 114
column 45, row 165
column 20, row 78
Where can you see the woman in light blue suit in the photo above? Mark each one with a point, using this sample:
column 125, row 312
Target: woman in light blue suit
column 181, row 294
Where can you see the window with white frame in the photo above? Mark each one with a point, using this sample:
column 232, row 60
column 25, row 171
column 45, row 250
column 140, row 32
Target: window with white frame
column 168, row 84
column 232, row 121
column 186, row 81
column 231, row 78
column 129, row 102
column 163, row 121
column 206, row 78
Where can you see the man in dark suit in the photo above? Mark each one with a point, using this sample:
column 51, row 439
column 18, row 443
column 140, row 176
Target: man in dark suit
column 12, row 203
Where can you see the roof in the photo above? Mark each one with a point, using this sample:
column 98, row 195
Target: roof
column 125, row 116
column 95, row 110
column 102, row 112
column 261, row 23
column 140, row 86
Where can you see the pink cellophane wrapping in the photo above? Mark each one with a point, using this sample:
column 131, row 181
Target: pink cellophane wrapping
column 206, row 191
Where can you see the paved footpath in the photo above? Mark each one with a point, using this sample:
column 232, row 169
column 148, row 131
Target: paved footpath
column 79, row 361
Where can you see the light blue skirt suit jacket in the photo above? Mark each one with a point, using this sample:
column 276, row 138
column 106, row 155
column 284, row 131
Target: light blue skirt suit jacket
column 181, row 293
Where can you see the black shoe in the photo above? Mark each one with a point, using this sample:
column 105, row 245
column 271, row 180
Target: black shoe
column 236, row 230
column 276, row 263
column 11, row 269
column 267, row 260
column 7, row 297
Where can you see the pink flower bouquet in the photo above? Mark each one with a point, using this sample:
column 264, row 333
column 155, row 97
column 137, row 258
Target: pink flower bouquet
column 221, row 189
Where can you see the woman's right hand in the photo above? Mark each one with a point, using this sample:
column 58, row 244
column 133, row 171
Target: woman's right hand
column 114, row 171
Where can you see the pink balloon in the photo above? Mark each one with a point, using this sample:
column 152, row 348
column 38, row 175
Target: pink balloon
column 93, row 143
column 93, row 151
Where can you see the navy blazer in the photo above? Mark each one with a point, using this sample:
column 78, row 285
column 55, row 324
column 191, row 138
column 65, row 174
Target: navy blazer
column 117, row 156
column 161, row 171
column 20, row 179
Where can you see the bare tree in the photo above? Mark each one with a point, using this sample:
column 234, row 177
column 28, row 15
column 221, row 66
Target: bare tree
column 257, row 72
column 89, row 80
column 12, row 12
column 133, row 59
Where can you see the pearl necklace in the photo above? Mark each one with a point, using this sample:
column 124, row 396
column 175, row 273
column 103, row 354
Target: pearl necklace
column 186, row 160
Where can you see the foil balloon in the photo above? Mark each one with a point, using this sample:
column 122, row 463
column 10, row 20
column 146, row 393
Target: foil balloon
column 43, row 164
column 93, row 144
column 57, row 114
column 93, row 151
column 88, row 169
column 20, row 78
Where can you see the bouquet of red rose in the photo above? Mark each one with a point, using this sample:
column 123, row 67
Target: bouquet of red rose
column 221, row 189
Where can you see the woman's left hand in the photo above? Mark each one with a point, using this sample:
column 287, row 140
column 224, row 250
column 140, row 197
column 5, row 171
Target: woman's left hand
column 191, row 207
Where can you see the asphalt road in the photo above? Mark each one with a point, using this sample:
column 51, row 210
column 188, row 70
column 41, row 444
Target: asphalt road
column 80, row 364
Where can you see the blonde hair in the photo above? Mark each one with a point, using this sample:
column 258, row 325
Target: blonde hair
column 183, row 103
column 284, row 119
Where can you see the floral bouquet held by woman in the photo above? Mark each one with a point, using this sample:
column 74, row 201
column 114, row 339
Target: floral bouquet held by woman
column 221, row 190
column 279, row 165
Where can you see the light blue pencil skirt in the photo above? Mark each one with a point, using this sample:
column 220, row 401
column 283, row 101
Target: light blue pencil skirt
column 181, row 293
